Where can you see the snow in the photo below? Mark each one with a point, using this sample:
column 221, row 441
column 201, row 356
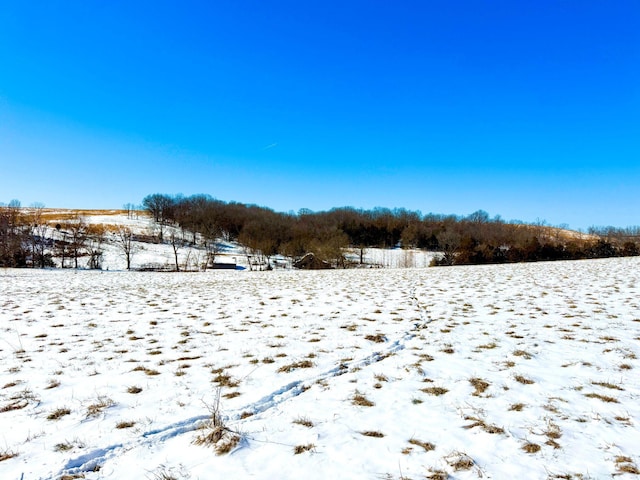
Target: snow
column 82, row 340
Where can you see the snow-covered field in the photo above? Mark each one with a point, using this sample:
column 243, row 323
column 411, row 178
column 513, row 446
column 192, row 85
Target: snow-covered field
column 505, row 372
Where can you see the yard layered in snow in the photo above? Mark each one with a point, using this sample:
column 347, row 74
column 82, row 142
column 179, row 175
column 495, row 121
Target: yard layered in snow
column 509, row 371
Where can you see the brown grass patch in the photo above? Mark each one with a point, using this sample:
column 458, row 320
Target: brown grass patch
column 531, row 447
column 524, row 380
column 522, row 353
column 361, row 400
column 428, row 446
column 295, row 365
column 7, row 454
column 58, row 413
column 604, row 398
column 304, row 421
column 479, row 385
column 460, row 461
column 125, row 424
column 434, row 390
column 378, row 338
column 298, row 449
column 232, row 394
column 15, row 405
column 489, row 428
column 225, row 380
column 95, row 409
column 625, row 465
column 611, row 386
column 370, row 433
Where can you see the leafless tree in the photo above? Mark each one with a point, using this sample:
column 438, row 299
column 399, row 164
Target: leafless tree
column 449, row 243
column 176, row 242
column 95, row 237
column 38, row 235
column 77, row 229
column 125, row 240
column 12, row 235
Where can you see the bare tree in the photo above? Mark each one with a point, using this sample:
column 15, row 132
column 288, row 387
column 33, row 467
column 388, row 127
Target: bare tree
column 124, row 239
column 77, row 237
column 160, row 207
column 95, row 237
column 176, row 242
column 449, row 242
column 38, row 236
column 130, row 209
column 13, row 252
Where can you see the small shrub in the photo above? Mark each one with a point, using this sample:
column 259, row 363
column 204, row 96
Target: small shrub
column 370, row 433
column 216, row 432
column 134, row 389
column 121, row 425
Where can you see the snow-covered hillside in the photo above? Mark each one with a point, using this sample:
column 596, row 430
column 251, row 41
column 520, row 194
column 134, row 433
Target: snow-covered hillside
column 506, row 371
column 191, row 256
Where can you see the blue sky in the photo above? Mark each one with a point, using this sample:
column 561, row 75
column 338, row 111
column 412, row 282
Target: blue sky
column 528, row 110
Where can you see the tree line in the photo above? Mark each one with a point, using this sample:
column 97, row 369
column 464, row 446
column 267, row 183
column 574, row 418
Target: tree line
column 27, row 239
column 461, row 240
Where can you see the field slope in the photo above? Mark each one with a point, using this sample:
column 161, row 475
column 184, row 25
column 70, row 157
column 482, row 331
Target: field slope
column 505, row 371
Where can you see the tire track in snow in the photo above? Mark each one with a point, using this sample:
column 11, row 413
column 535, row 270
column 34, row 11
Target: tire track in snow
column 92, row 460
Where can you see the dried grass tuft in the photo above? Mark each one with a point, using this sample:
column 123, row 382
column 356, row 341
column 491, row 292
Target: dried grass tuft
column 304, row 421
column 298, row 449
column 524, row 380
column 604, row 398
column 361, row 400
column 295, row 365
column 480, row 386
column 428, row 446
column 531, row 447
column 7, row 454
column 58, row 413
column 434, row 390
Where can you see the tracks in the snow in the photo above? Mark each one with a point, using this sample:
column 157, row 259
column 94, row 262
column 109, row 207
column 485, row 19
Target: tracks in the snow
column 94, row 459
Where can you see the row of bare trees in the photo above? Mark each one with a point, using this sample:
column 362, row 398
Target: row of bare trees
column 29, row 239
column 476, row 238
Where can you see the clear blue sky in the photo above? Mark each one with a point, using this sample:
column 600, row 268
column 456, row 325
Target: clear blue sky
column 529, row 110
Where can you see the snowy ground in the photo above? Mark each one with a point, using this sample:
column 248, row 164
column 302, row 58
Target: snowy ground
column 510, row 371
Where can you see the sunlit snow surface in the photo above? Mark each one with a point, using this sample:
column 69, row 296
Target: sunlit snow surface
column 557, row 345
